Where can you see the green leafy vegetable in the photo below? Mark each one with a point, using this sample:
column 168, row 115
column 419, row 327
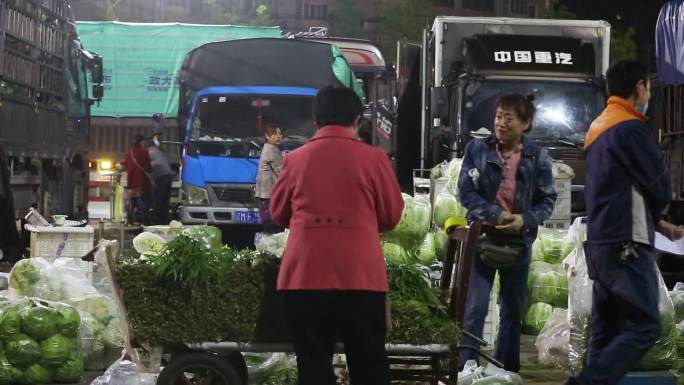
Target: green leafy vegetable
column 22, row 350
column 56, row 350
column 447, row 206
column 10, row 321
column 23, row 276
column 536, row 317
column 68, row 320
column 37, row 374
column 71, row 371
column 38, row 321
column 426, row 252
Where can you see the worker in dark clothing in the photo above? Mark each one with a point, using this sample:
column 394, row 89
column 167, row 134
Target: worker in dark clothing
column 10, row 243
column 627, row 189
column 161, row 172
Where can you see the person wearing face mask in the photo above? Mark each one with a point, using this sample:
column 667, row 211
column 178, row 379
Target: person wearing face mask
column 506, row 184
column 162, row 174
column 627, row 189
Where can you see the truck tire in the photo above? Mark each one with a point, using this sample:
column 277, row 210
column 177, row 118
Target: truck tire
column 199, row 368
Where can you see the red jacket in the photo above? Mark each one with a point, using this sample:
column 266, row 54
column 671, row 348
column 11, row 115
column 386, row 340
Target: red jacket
column 336, row 194
column 136, row 177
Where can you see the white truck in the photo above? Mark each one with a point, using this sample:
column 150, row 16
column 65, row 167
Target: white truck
column 467, row 63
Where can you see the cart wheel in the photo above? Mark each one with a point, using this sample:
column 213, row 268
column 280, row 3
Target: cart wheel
column 199, row 369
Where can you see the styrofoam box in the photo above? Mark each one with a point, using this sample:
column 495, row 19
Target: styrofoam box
column 557, row 224
column 53, row 242
column 563, row 188
column 491, row 327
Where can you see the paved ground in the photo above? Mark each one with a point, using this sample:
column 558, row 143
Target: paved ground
column 532, row 372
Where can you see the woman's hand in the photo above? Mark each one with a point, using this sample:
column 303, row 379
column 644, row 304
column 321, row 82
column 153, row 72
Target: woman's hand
column 511, row 223
column 671, row 231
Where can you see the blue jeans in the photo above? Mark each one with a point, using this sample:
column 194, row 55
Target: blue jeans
column 625, row 322
column 513, row 296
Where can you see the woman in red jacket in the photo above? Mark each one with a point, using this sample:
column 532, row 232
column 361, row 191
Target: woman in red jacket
column 336, row 194
column 138, row 167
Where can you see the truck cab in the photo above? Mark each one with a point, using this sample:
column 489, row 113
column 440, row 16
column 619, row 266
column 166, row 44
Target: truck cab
column 470, row 62
column 230, row 91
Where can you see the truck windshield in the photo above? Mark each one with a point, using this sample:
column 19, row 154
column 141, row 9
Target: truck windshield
column 234, row 125
column 564, row 109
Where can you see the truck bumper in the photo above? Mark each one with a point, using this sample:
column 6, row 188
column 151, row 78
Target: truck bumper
column 217, row 215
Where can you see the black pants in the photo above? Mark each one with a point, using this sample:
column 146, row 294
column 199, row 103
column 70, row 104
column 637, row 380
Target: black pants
column 162, row 199
column 317, row 319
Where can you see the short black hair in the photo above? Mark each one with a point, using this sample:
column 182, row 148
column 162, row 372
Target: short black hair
column 623, row 76
column 336, row 106
column 522, row 105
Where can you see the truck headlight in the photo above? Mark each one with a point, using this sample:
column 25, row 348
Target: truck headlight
column 196, row 196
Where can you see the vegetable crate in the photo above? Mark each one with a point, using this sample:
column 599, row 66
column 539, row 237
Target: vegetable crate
column 53, row 242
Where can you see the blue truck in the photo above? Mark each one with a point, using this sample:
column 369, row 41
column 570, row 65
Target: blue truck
column 229, row 92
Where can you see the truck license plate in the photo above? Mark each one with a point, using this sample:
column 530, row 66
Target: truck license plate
column 247, row 217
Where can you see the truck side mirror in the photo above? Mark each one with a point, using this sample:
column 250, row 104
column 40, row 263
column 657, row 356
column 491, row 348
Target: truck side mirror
column 439, row 103
column 96, row 69
column 98, row 91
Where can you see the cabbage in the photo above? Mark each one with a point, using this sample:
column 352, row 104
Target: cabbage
column 547, row 283
column 90, row 326
column 394, row 253
column 37, row 374
column 447, row 206
column 551, row 246
column 212, row 236
column 10, row 374
column 148, row 242
column 56, row 350
column 22, row 350
column 49, row 289
column 426, row 252
column 38, row 321
column 536, row 317
column 174, row 224
column 422, row 216
column 71, row 371
column 68, row 320
column 112, row 336
column 98, row 305
column 441, row 243
column 10, row 321
column 403, row 228
column 23, row 276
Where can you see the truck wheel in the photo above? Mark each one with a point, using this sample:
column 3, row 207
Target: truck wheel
column 199, row 369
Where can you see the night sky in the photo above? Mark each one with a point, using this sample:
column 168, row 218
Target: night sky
column 642, row 14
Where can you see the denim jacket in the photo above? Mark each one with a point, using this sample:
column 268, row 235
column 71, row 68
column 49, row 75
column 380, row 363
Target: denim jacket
column 480, row 178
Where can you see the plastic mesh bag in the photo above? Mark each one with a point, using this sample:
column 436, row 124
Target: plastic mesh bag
column 552, row 342
column 273, row 244
column 677, row 296
column 548, row 284
column 663, row 354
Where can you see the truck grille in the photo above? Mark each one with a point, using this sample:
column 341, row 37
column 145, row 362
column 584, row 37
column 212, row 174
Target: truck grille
column 233, row 194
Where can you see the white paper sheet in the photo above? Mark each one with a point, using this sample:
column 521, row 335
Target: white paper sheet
column 662, row 243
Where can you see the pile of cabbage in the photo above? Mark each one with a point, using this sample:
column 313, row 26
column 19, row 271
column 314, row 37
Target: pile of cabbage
column 412, row 240
column 149, row 243
column 551, row 246
column 39, row 343
column 547, row 288
column 273, row 244
column 101, row 340
column 447, row 203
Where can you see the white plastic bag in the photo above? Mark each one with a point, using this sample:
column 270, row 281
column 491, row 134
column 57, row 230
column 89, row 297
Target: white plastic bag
column 124, row 372
column 471, row 372
column 553, row 341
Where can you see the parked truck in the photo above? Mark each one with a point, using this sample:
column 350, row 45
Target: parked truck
column 45, row 105
column 229, row 92
column 469, row 62
column 142, row 81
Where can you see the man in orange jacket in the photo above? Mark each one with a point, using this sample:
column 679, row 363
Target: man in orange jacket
column 336, row 194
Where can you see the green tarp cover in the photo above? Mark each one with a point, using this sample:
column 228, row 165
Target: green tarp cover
column 142, row 61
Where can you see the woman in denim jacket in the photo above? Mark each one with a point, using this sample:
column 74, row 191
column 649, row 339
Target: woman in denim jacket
column 506, row 181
